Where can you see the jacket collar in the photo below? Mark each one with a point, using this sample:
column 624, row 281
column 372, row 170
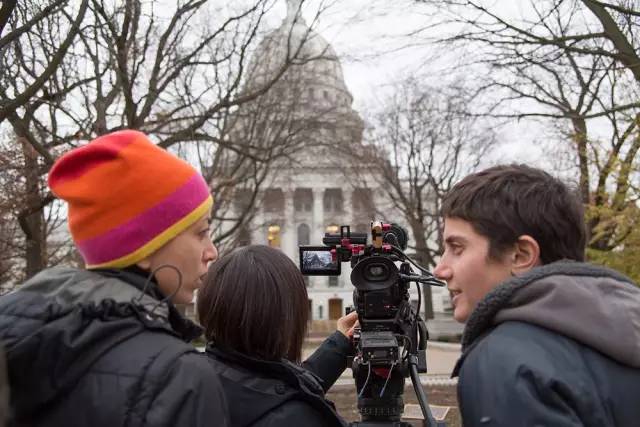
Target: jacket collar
column 148, row 286
column 127, row 288
column 484, row 315
column 283, row 369
column 553, row 296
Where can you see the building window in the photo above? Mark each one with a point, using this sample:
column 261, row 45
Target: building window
column 362, row 202
column 244, row 236
column 274, row 200
column 333, row 200
column 242, row 200
column 320, row 312
column 303, row 234
column 303, row 199
column 311, row 93
column 325, row 94
column 333, row 281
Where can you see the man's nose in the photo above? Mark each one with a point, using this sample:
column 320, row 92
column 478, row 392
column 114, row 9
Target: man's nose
column 442, row 272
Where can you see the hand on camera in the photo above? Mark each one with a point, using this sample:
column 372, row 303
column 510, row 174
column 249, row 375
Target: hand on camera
column 346, row 324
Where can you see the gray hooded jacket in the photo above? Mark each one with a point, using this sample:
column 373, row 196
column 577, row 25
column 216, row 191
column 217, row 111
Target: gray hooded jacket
column 559, row 346
column 104, row 349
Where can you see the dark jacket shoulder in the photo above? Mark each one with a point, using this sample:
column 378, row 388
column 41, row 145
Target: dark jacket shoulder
column 271, row 393
column 559, row 345
column 522, row 374
column 86, row 348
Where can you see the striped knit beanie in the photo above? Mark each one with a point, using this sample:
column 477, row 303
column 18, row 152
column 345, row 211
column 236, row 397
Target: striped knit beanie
column 127, row 197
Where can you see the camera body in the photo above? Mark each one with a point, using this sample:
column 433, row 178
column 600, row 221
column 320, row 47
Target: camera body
column 381, row 296
column 388, row 323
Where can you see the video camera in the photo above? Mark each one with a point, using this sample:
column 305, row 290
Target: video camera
column 391, row 340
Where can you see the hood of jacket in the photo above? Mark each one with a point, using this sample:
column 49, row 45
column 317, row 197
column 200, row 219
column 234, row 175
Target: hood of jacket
column 56, row 325
column 593, row 305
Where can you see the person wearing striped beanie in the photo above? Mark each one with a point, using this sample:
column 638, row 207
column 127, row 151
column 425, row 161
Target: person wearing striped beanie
column 132, row 203
column 105, row 345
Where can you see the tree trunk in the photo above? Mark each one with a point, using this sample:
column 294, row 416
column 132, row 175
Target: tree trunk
column 626, row 53
column 422, row 259
column 580, row 139
column 5, row 12
column 32, row 218
column 35, row 244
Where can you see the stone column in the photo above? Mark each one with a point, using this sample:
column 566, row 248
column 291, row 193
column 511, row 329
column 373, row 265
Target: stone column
column 347, row 205
column 289, row 230
column 317, row 225
column 347, row 219
column 317, row 232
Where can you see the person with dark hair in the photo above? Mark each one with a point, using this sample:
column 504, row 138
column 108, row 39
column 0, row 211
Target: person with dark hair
column 549, row 339
column 105, row 345
column 253, row 307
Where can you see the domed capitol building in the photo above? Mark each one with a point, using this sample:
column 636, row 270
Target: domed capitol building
column 315, row 189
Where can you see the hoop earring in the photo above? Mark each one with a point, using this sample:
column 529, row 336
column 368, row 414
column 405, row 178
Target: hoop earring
column 148, row 281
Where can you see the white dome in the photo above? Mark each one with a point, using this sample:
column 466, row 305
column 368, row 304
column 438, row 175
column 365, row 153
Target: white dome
column 312, row 88
column 314, row 64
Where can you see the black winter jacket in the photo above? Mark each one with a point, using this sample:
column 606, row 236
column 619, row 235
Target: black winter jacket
column 559, row 346
column 87, row 348
column 269, row 394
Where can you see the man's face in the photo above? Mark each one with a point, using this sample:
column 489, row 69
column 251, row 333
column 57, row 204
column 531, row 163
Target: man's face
column 466, row 267
column 190, row 252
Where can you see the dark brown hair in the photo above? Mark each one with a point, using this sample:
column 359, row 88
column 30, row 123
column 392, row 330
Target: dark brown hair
column 254, row 301
column 505, row 202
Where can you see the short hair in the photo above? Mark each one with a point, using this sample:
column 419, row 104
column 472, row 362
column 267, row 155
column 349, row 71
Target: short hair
column 505, row 202
column 254, row 301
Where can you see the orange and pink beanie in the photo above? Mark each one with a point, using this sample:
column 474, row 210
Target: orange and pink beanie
column 127, row 197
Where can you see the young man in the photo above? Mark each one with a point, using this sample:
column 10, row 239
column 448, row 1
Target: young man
column 549, row 340
column 105, row 345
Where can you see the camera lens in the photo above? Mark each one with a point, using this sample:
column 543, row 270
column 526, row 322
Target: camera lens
column 376, row 272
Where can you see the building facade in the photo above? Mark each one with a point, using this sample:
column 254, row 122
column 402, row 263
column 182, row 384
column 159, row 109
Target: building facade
column 316, row 190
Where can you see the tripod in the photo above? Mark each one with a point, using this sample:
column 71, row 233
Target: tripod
column 380, row 374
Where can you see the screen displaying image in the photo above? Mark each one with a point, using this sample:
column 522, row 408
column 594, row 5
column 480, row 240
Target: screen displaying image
column 318, row 260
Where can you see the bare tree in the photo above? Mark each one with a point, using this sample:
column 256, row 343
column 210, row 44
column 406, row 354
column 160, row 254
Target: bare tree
column 6, row 9
column 174, row 73
column 419, row 145
column 23, row 21
column 574, row 64
column 9, row 232
column 267, row 132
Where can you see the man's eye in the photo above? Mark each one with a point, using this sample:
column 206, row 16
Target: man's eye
column 456, row 249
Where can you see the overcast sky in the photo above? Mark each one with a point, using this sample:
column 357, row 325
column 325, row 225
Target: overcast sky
column 370, row 38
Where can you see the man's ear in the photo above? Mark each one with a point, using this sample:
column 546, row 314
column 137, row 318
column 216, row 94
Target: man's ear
column 526, row 255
